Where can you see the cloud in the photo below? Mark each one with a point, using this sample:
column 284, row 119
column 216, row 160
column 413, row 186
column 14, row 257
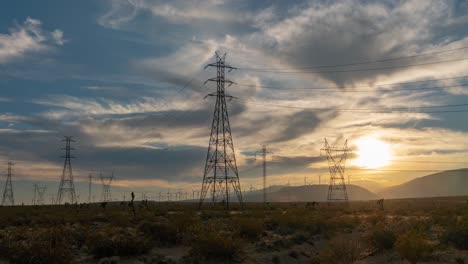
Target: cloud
column 57, row 36
column 25, row 39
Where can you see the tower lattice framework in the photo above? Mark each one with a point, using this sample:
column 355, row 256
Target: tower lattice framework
column 8, row 198
column 106, row 187
column 220, row 172
column 39, row 192
column 336, row 157
column 67, row 186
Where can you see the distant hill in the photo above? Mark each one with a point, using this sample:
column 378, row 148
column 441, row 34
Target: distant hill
column 307, row 193
column 370, row 185
column 447, row 183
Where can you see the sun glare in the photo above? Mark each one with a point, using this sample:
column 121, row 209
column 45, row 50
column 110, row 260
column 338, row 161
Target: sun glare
column 372, row 153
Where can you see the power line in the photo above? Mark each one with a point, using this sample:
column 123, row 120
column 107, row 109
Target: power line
column 366, row 69
column 354, row 63
column 367, row 110
column 361, row 86
column 324, row 90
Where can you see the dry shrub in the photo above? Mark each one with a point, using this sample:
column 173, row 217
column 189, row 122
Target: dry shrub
column 117, row 242
column 162, row 233
column 413, row 247
column 381, row 238
column 249, row 228
column 457, row 234
column 49, row 246
column 341, row 250
column 216, row 246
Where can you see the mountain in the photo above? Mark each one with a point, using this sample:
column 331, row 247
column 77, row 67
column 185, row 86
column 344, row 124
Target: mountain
column 446, row 183
column 307, row 193
column 372, row 186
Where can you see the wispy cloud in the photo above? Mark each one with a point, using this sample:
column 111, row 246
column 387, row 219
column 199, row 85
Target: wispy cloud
column 27, row 38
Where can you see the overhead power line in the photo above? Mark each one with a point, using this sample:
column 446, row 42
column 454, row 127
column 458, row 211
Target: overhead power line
column 353, row 63
column 366, row 110
column 359, row 70
column 317, row 90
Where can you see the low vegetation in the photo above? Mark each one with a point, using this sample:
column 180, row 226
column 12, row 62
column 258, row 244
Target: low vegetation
column 413, row 230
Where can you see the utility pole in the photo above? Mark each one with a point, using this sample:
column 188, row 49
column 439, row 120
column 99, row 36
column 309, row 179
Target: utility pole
column 67, row 185
column 220, row 168
column 320, row 179
column 8, row 198
column 90, row 178
column 336, row 157
column 305, row 180
column 263, row 152
column 34, row 197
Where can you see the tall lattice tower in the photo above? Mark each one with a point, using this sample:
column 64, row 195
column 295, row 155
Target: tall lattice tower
column 263, row 152
column 106, row 187
column 67, row 186
column 336, row 157
column 8, row 198
column 39, row 192
column 220, row 168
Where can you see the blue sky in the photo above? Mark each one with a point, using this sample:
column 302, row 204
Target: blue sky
column 114, row 73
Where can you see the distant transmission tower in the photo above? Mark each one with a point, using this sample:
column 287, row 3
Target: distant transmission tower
column 106, row 187
column 67, row 185
column 263, row 151
column 8, row 198
column 90, row 178
column 336, row 157
column 39, row 192
column 220, row 167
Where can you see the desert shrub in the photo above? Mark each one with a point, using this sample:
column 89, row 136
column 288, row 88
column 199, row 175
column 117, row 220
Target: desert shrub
column 381, row 239
column 162, row 233
column 216, row 246
column 341, row 250
column 41, row 246
column 117, row 242
column 376, row 219
column 413, row 247
column 249, row 228
column 457, row 234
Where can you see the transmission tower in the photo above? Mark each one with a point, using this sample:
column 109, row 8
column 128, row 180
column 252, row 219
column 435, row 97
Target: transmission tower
column 220, row 168
column 8, row 198
column 106, row 187
column 90, row 179
column 67, row 185
column 336, row 157
column 39, row 192
column 263, row 151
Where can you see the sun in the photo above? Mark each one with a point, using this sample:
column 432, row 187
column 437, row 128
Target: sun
column 372, row 153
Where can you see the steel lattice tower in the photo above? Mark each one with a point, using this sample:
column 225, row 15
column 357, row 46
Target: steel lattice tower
column 8, row 198
column 67, row 185
column 263, row 151
column 106, row 187
column 220, row 168
column 336, row 157
column 90, row 178
column 39, row 192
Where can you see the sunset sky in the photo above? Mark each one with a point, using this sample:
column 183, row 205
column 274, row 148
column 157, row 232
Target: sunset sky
column 125, row 78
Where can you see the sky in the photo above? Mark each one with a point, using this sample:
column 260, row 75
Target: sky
column 126, row 78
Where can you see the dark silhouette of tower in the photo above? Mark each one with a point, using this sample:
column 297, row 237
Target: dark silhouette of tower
column 263, row 151
column 90, row 178
column 220, row 168
column 106, row 187
column 39, row 192
column 336, row 157
column 67, row 186
column 8, row 198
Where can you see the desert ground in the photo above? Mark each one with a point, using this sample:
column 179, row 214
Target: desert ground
column 427, row 230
